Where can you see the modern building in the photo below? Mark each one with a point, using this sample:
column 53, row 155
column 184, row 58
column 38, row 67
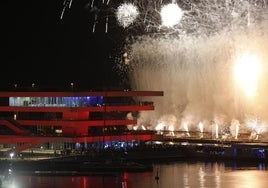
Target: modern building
column 29, row 119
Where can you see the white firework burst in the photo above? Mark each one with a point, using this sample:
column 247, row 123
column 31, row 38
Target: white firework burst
column 126, row 14
column 171, row 14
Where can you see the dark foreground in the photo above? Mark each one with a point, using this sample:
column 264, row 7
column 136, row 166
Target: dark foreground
column 72, row 165
column 139, row 159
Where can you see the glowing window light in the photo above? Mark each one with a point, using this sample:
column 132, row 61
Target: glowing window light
column 171, row 14
column 246, row 72
column 126, row 14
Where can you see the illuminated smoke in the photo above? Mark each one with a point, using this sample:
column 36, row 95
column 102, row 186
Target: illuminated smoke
column 245, row 65
column 194, row 68
column 193, row 61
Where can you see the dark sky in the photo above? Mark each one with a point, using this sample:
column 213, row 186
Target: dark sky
column 41, row 48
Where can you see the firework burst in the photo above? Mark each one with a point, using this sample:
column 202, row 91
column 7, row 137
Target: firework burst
column 126, row 14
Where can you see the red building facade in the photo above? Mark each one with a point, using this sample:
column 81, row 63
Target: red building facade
column 32, row 118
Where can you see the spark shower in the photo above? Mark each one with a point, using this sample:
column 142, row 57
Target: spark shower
column 212, row 69
column 211, row 65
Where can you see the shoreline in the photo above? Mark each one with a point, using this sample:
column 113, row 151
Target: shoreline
column 139, row 159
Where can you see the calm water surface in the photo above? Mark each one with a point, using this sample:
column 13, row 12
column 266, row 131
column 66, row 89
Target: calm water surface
column 175, row 174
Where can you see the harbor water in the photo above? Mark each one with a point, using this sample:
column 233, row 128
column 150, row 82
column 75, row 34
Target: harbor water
column 179, row 174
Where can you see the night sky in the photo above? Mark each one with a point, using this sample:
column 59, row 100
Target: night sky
column 41, row 48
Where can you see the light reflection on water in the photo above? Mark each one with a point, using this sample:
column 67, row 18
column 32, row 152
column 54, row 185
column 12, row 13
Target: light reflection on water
column 178, row 174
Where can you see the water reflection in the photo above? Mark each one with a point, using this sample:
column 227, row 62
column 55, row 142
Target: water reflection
column 179, row 175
